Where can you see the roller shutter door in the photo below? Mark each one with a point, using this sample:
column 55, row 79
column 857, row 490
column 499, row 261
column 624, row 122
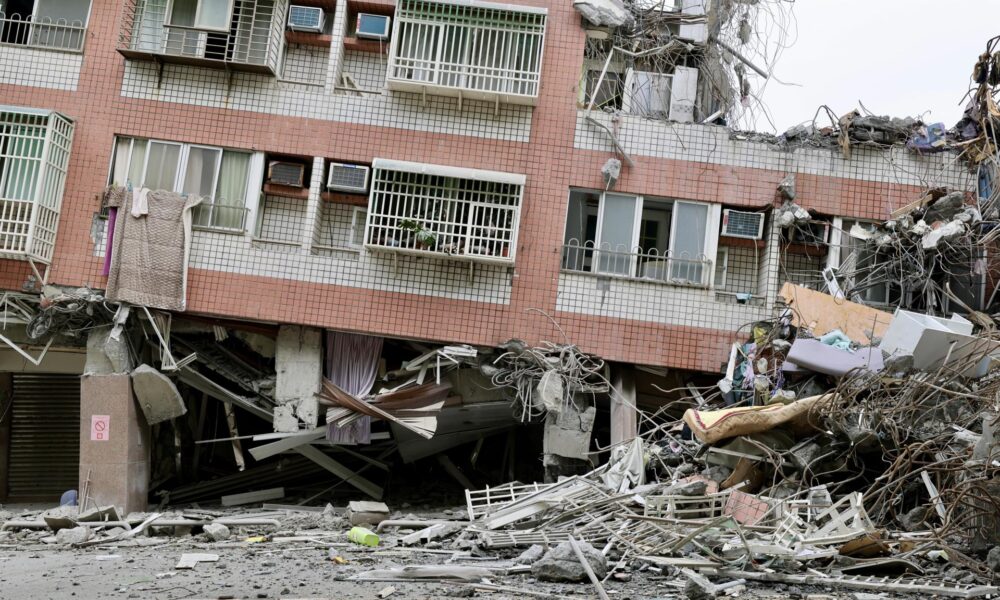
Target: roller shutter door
column 44, row 437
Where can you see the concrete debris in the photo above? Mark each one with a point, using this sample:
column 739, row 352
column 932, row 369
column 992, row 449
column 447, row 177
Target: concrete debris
column 561, row 563
column 531, row 555
column 216, row 532
column 604, row 13
column 157, row 395
column 74, row 535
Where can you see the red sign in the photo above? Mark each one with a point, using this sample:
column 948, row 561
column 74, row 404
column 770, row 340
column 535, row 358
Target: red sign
column 100, row 428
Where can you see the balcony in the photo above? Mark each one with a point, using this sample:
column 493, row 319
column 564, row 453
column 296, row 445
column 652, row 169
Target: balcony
column 44, row 33
column 634, row 263
column 474, row 50
column 249, row 39
column 34, row 153
column 447, row 212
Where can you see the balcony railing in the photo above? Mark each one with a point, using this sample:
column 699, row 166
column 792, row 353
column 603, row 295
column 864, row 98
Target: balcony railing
column 219, row 216
column 473, row 50
column 634, row 263
column 17, row 30
column 252, row 43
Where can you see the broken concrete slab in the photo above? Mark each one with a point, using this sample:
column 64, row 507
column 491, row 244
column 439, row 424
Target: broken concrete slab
column 567, row 433
column 105, row 354
column 157, row 395
column 531, row 555
column 561, row 564
column 603, row 13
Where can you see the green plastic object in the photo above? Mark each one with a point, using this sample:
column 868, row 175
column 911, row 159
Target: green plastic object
column 363, row 536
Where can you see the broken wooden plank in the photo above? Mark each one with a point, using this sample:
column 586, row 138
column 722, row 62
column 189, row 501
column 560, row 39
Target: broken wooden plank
column 349, row 476
column 823, row 313
column 588, row 569
column 255, row 496
column 286, row 443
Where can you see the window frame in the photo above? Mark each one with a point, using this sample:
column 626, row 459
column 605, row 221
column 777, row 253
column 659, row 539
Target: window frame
column 710, row 246
column 182, row 164
column 168, row 21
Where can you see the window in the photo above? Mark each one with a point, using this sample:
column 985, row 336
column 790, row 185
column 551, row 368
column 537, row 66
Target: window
column 54, row 24
column 201, row 14
column 447, row 211
column 636, row 236
column 244, row 34
column 865, row 270
column 474, row 49
column 648, row 94
column 218, row 175
column 34, row 153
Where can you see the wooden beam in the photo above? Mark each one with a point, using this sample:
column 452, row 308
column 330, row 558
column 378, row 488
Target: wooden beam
column 349, row 476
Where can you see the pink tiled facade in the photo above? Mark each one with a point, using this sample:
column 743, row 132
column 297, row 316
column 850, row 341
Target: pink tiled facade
column 544, row 143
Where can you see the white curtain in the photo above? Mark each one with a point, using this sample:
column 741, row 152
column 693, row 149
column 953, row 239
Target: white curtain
column 351, row 364
column 230, row 195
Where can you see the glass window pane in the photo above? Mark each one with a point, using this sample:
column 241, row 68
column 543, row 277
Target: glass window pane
column 137, row 163
column 230, row 197
column 213, row 14
column 617, row 225
column 161, row 168
column 690, row 226
column 182, row 12
column 199, row 176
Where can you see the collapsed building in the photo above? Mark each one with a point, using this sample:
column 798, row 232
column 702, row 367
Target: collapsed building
column 327, row 250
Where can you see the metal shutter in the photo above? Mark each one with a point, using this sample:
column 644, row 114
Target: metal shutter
column 44, row 437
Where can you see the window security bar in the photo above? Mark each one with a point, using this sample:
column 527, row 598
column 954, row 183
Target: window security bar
column 18, row 30
column 636, row 263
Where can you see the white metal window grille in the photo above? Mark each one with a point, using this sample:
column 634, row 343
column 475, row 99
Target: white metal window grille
column 38, row 31
column 474, row 50
column 444, row 211
column 34, row 155
column 252, row 41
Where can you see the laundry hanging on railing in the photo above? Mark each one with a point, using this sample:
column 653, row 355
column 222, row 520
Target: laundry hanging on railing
column 150, row 255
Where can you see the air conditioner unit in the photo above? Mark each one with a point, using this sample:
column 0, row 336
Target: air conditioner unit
column 373, row 27
column 305, row 18
column 348, row 178
column 740, row 224
column 286, row 173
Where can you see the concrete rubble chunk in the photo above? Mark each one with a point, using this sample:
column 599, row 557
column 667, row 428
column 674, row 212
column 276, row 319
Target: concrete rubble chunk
column 216, row 532
column 157, row 395
column 561, row 564
column 531, row 555
column 603, row 13
column 75, row 535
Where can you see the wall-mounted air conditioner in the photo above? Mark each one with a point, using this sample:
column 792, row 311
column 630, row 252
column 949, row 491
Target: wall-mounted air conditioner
column 741, row 224
column 348, row 178
column 286, row 173
column 305, row 18
column 372, row 27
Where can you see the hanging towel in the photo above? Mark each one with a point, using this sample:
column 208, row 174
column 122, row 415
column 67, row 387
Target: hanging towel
column 150, row 256
column 140, row 202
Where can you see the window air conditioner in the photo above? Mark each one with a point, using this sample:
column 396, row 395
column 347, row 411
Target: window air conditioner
column 348, row 178
column 305, row 18
column 373, row 27
column 740, row 224
column 286, row 173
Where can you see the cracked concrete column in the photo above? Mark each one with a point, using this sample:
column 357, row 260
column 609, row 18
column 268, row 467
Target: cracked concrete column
column 114, row 444
column 298, row 361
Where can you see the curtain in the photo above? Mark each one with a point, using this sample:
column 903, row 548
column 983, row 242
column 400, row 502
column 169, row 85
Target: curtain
column 161, row 169
column 231, row 191
column 351, row 364
column 688, row 244
column 137, row 162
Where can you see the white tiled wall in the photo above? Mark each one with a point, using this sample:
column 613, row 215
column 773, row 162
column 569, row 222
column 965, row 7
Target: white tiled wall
column 259, row 93
column 654, row 302
column 367, row 69
column 51, row 69
column 718, row 145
